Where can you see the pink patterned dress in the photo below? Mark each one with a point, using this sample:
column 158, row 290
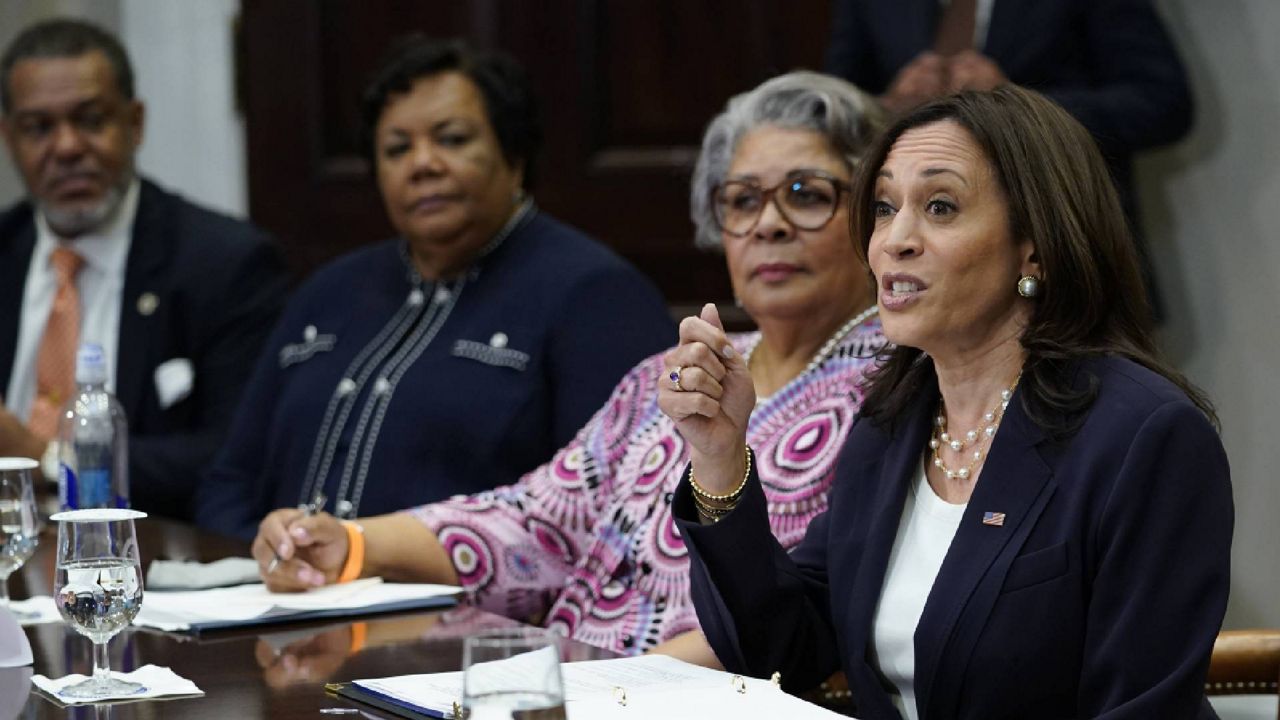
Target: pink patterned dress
column 585, row 544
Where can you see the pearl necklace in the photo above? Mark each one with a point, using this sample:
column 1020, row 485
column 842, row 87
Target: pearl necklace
column 827, row 348
column 991, row 421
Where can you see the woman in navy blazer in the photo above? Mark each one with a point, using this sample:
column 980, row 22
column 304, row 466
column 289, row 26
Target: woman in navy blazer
column 1033, row 517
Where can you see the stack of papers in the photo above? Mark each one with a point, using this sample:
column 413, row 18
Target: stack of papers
column 649, row 686
column 247, row 605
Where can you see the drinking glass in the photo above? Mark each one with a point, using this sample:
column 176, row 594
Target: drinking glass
column 19, row 524
column 98, row 587
column 512, row 674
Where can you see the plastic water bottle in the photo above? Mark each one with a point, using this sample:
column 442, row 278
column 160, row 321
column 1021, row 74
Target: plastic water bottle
column 93, row 436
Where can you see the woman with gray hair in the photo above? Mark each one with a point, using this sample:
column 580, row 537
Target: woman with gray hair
column 586, row 542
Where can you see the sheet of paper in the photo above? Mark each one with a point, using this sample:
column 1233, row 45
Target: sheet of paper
column 35, row 610
column 190, row 575
column 653, row 686
column 180, row 610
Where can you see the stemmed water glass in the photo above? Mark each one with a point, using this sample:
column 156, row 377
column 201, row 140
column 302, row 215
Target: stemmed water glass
column 19, row 524
column 512, row 673
column 98, row 587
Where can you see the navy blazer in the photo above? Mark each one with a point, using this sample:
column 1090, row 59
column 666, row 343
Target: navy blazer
column 1110, row 63
column 1100, row 596
column 219, row 285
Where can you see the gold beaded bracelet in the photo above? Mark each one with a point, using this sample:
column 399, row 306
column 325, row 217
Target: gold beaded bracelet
column 732, row 497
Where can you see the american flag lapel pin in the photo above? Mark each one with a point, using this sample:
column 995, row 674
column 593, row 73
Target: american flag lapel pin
column 993, row 518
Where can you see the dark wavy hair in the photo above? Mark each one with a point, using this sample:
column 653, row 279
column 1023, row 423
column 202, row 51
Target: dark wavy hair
column 1092, row 301
column 64, row 38
column 504, row 86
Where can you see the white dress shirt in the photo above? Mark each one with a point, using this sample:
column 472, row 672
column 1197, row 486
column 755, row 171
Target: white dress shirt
column 101, row 284
column 925, row 532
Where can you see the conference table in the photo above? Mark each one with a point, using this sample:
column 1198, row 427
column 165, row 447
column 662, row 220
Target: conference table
column 277, row 672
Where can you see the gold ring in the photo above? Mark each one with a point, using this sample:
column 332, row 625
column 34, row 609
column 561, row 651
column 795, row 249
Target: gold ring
column 675, row 378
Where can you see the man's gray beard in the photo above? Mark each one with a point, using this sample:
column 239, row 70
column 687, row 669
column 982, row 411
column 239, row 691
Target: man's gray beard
column 69, row 223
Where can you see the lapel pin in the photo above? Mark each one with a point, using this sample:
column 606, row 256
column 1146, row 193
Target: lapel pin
column 499, row 340
column 994, row 519
column 309, row 333
column 147, row 303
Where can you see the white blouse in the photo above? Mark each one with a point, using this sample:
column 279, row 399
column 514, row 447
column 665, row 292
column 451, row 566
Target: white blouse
column 925, row 533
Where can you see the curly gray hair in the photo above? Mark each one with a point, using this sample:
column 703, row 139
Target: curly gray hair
column 845, row 115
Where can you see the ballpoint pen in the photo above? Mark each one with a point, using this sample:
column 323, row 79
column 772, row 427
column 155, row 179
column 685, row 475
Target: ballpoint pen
column 308, row 510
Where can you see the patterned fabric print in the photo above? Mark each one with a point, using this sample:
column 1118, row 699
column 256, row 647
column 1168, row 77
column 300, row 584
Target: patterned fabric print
column 590, row 534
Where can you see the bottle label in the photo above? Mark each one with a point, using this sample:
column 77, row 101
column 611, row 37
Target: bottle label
column 68, row 498
column 89, row 489
column 95, row 488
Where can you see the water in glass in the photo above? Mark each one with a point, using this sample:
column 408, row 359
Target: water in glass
column 19, row 524
column 98, row 587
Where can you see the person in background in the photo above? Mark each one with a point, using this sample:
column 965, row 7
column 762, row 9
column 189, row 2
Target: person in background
column 456, row 356
column 1110, row 63
column 585, row 543
column 1033, row 517
column 179, row 297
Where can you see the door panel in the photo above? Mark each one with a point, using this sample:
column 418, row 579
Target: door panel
column 626, row 88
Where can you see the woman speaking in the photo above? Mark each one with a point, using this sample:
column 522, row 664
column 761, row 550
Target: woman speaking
column 1032, row 518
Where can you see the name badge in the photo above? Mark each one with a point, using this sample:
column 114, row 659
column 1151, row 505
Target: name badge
column 495, row 353
column 312, row 342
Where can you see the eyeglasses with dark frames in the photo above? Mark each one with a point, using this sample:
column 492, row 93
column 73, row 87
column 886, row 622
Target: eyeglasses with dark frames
column 807, row 199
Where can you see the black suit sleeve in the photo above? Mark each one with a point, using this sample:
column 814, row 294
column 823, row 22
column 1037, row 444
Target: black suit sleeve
column 235, row 316
column 762, row 610
column 232, row 499
column 1160, row 586
column 594, row 344
column 1137, row 95
column 849, row 54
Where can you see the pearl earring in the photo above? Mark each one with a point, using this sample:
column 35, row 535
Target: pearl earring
column 1028, row 286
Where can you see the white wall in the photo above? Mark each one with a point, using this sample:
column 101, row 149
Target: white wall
column 1211, row 207
column 182, row 57
column 182, row 64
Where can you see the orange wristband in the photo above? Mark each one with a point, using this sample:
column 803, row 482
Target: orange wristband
column 355, row 552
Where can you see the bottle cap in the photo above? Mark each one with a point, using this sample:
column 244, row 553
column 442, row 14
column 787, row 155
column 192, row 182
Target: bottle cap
column 91, row 364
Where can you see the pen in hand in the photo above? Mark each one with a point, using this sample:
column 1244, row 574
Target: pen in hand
column 308, row 510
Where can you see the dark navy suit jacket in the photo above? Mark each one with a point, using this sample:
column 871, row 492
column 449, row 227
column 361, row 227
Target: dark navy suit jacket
column 219, row 286
column 1100, row 596
column 1110, row 63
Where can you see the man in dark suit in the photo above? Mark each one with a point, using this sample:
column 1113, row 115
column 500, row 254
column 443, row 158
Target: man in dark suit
column 180, row 297
column 1110, row 63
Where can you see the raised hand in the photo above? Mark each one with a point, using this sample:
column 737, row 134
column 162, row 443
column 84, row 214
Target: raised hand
column 311, row 550
column 712, row 402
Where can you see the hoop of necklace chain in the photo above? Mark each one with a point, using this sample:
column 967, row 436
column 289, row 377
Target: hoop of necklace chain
column 991, row 422
column 829, row 346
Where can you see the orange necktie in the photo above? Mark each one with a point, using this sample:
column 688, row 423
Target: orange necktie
column 56, row 358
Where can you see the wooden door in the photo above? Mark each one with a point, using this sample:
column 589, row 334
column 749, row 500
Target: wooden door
column 626, row 88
